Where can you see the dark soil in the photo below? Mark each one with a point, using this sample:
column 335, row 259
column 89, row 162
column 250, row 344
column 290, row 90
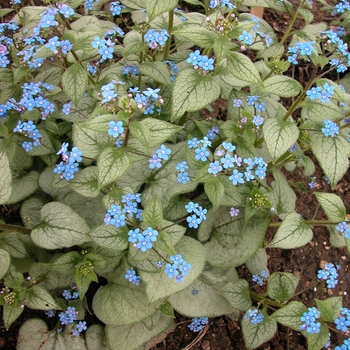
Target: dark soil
column 222, row 333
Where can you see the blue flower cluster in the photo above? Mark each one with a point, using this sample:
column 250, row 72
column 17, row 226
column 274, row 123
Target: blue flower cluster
column 69, row 296
column 108, row 93
column 53, row 44
column 116, row 8
column 178, row 269
column 69, row 316
column 116, row 214
column 341, row 7
column 199, row 61
column 344, row 346
column 308, row 320
column 323, row 94
column 198, row 324
column 329, row 274
column 182, row 175
column 132, row 277
column 303, row 49
column 79, row 327
column 330, row 128
column 156, row 38
column 32, row 97
column 338, row 48
column 343, row 229
column 130, row 70
column 259, row 107
column 6, row 42
column 173, row 69
column 260, row 278
column 70, row 161
column 147, row 99
column 30, row 130
column 254, row 316
column 234, row 212
column 342, row 322
column 143, row 240
column 104, row 48
column 162, row 153
column 199, row 214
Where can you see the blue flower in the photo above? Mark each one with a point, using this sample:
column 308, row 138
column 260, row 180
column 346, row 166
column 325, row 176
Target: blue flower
column 144, row 242
column 115, row 128
column 195, row 58
column 314, row 93
column 191, row 207
column 183, row 177
column 193, row 221
column 66, row 46
column 170, row 270
column 151, row 233
column 193, row 143
column 236, row 177
column 53, row 44
column 214, row 168
column 202, row 154
column 163, row 152
column 155, row 162
column 330, row 128
column 228, row 146
column 181, row 167
column 258, row 120
column 206, row 63
column 246, row 37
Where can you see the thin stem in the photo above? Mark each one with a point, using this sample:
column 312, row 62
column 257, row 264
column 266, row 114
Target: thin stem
column 168, row 42
column 14, row 228
column 291, row 23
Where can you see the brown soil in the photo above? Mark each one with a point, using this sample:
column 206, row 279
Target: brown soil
column 222, row 333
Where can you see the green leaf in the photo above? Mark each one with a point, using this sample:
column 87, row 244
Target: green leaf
column 61, row 227
column 24, row 187
column 332, row 154
column 74, row 82
column 237, row 294
column 281, row 286
column 5, row 261
column 241, row 67
column 290, row 314
column 316, row 111
column 330, row 308
column 110, row 237
column 112, row 163
column 221, row 46
column 5, row 179
column 257, row 262
column 85, row 182
column 282, row 196
column 159, row 285
column 256, row 334
column 10, row 314
column 40, row 299
column 332, row 205
column 160, row 130
column 207, row 303
column 141, row 132
column 66, row 263
column 167, row 309
column 233, row 241
column 157, row 71
column 4, row 12
column 165, row 243
column 95, row 337
column 292, row 233
column 308, row 16
column 90, row 142
column 155, row 8
column 192, row 92
column 152, row 214
column 34, row 335
column 282, row 86
column 279, row 136
column 197, row 35
column 215, row 191
column 318, row 340
column 83, row 280
column 132, row 337
column 117, row 305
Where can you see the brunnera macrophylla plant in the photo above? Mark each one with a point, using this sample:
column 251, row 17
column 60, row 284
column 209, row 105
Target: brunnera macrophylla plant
column 133, row 204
